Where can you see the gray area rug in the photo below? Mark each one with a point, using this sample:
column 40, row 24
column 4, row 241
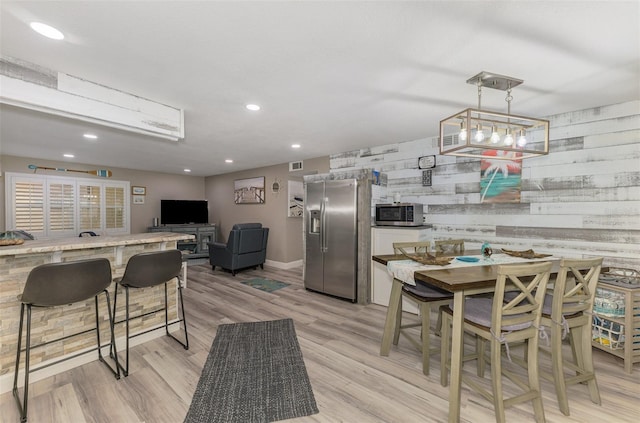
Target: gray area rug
column 254, row 373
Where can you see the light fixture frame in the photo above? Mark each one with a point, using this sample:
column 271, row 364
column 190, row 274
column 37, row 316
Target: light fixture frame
column 452, row 144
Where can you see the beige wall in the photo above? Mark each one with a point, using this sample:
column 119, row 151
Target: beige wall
column 285, row 233
column 159, row 186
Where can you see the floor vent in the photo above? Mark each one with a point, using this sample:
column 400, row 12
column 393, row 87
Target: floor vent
column 294, row 166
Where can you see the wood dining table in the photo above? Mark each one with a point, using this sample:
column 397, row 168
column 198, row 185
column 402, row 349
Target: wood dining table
column 461, row 281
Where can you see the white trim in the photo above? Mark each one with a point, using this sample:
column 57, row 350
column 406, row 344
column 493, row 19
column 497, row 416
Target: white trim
column 283, row 265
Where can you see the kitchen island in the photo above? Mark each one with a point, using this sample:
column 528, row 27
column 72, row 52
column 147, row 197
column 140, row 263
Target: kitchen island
column 16, row 261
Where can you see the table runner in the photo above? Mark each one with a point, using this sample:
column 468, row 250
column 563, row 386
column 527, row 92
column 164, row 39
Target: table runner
column 404, row 269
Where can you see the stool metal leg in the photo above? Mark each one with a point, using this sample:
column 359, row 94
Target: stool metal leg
column 125, row 367
column 113, row 352
column 22, row 405
column 166, row 315
column 116, row 370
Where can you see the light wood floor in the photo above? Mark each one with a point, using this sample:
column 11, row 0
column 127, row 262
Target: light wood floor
column 340, row 342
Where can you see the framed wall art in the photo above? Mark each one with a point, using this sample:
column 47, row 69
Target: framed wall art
column 139, row 190
column 249, row 191
column 296, row 198
column 500, row 177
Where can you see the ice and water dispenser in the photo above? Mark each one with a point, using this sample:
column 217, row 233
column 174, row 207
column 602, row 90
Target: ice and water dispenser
column 315, row 221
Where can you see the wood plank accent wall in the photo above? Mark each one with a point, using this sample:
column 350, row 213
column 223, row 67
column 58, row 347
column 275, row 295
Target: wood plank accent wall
column 581, row 200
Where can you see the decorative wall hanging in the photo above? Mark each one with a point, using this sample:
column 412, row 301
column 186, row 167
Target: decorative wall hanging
column 138, row 191
column 500, row 177
column 249, row 191
column 427, row 162
column 296, row 199
column 426, row 178
column 102, row 173
column 275, row 187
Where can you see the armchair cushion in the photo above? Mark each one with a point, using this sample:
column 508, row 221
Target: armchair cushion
column 245, row 247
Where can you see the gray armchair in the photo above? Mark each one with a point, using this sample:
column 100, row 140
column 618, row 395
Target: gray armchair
column 246, row 247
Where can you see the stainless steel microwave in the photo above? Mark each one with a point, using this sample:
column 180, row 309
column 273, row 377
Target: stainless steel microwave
column 399, row 214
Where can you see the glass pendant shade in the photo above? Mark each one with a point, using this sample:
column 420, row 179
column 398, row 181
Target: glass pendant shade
column 479, row 134
column 495, row 136
column 522, row 140
column 508, row 139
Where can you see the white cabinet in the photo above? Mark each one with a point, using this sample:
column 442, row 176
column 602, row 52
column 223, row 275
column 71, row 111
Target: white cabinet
column 382, row 239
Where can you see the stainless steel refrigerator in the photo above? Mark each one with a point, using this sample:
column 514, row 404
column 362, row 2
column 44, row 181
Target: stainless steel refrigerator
column 331, row 237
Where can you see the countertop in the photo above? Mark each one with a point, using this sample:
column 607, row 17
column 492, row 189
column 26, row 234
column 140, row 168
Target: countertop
column 80, row 243
column 402, row 227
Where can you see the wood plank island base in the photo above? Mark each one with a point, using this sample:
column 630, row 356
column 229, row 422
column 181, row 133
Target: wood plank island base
column 16, row 262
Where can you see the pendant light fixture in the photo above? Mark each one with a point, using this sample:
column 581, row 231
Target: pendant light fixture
column 466, row 133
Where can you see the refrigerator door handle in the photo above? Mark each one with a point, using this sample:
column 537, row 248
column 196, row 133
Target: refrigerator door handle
column 323, row 222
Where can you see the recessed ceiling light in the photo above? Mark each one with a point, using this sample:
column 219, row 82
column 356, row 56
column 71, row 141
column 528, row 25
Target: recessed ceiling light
column 253, row 107
column 91, row 136
column 71, row 156
column 228, row 161
column 47, row 31
column 187, row 170
column 295, row 145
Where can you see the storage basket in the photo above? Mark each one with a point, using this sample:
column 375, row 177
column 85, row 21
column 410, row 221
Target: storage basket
column 608, row 333
column 620, row 276
column 609, row 303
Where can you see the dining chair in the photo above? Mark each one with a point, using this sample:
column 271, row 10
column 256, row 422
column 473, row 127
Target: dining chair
column 425, row 297
column 146, row 270
column 501, row 323
column 54, row 285
column 455, row 246
column 568, row 311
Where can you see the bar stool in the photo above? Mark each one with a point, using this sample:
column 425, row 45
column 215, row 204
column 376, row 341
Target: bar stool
column 571, row 306
column 568, row 311
column 145, row 270
column 59, row 284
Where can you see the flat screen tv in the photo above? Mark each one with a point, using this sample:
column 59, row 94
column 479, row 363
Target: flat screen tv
column 179, row 212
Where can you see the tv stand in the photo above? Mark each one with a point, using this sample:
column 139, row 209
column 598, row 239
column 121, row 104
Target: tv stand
column 197, row 248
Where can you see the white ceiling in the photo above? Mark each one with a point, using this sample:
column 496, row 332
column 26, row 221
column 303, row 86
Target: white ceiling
column 332, row 76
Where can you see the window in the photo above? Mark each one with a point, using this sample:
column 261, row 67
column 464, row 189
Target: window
column 51, row 207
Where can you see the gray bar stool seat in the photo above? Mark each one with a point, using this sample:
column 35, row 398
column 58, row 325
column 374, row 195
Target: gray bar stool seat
column 60, row 284
column 146, row 270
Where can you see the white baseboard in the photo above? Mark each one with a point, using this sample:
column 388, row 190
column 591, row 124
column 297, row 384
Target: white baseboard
column 86, row 356
column 283, row 265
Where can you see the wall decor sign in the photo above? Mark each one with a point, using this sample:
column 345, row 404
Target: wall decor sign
column 427, row 162
column 500, row 178
column 426, row 178
column 138, row 190
column 249, row 191
column 296, row 199
column 138, row 199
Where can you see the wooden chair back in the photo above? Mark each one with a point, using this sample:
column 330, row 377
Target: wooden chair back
column 411, row 247
column 575, row 287
column 449, row 246
column 525, row 309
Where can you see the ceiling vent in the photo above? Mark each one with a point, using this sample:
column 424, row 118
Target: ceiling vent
column 294, row 166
